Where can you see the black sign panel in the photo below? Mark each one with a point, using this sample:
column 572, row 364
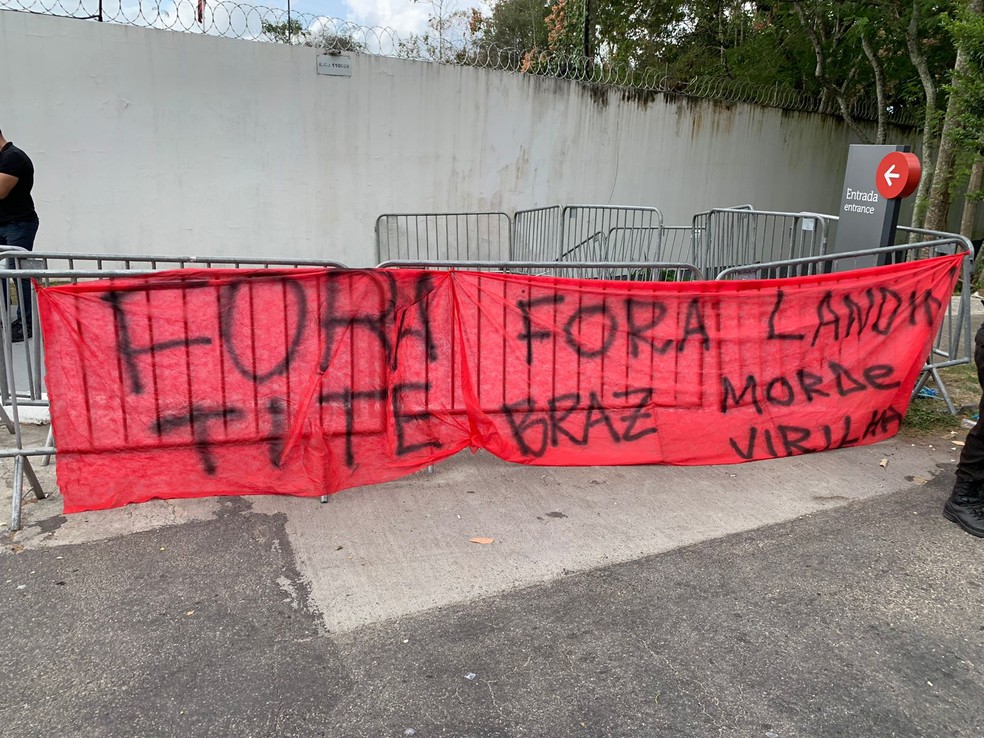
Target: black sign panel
column 867, row 219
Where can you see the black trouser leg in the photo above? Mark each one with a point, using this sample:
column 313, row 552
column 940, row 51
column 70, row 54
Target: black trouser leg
column 970, row 468
column 22, row 235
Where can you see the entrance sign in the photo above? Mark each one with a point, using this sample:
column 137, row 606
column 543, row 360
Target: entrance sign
column 869, row 216
column 305, row 382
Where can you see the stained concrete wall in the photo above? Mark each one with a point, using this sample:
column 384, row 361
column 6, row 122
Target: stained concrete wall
column 151, row 141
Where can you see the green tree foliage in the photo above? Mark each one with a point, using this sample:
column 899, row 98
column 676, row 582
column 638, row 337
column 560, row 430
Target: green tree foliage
column 294, row 32
column 287, row 32
column 968, row 32
column 637, row 34
column 968, row 83
column 448, row 36
column 330, row 40
column 961, row 124
column 565, row 26
column 880, row 61
column 513, row 24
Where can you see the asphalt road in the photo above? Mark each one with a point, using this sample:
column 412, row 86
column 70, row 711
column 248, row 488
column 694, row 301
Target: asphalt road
column 864, row 620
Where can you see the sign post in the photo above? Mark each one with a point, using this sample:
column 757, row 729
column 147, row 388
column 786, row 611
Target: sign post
column 876, row 180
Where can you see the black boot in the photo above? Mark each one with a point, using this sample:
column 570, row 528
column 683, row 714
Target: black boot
column 966, row 508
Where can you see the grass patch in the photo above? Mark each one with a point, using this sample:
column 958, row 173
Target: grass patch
column 929, row 415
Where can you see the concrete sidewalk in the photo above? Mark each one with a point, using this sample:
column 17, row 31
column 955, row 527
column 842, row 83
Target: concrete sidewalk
column 387, row 551
column 821, row 595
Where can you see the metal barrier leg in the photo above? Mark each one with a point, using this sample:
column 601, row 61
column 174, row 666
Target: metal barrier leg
column 49, row 441
column 23, row 468
column 5, row 419
column 942, row 388
column 15, row 511
column 33, row 478
column 324, row 499
column 920, row 383
column 4, row 388
column 933, row 372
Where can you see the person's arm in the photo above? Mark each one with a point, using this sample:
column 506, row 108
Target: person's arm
column 7, row 182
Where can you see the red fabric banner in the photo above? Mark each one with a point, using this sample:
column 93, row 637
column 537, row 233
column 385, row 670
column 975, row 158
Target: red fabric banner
column 306, row 382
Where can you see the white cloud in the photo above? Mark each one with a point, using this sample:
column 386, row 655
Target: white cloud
column 403, row 16
column 230, row 18
column 406, row 18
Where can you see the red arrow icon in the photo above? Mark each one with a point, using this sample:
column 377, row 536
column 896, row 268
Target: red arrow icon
column 898, row 175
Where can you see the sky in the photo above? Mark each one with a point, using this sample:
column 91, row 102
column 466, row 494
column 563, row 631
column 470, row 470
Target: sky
column 403, row 16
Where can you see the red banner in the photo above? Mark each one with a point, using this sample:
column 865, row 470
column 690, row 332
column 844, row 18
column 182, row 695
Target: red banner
column 306, row 382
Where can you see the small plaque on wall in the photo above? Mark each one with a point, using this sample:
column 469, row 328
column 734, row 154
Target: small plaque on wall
column 335, row 66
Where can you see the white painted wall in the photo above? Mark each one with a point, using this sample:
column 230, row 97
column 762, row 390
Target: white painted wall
column 151, row 141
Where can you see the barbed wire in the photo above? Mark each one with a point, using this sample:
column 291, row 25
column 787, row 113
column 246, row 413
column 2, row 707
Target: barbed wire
column 230, row 19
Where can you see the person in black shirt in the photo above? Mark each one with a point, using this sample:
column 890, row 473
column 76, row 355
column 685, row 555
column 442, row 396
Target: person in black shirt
column 965, row 506
column 18, row 219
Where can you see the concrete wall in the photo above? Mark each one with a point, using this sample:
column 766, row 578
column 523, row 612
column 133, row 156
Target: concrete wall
column 157, row 142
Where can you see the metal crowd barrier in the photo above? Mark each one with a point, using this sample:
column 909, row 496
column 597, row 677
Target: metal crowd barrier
column 715, row 240
column 635, row 271
column 22, row 381
column 22, row 369
column 96, row 266
column 497, row 350
column 570, row 233
column 953, row 344
column 608, row 233
column 591, row 233
column 475, row 236
column 536, row 234
column 676, row 244
column 734, row 237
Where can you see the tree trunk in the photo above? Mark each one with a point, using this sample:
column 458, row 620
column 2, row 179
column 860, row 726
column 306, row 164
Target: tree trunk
column 939, row 194
column 928, row 159
column 845, row 111
column 930, row 122
column 969, row 217
column 879, row 73
column 831, row 93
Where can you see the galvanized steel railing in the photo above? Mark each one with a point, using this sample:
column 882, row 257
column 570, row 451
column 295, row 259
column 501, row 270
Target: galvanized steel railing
column 739, row 236
column 475, row 236
column 22, row 370
column 953, row 343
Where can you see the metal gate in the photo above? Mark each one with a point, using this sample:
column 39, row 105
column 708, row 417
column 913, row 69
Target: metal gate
column 448, row 236
column 740, row 236
column 952, row 345
column 22, row 362
column 581, row 240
